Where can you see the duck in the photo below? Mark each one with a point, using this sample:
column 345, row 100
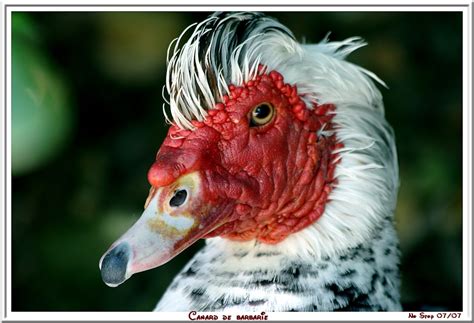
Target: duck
column 279, row 155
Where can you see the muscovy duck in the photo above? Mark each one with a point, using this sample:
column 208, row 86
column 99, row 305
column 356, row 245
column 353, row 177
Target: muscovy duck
column 280, row 156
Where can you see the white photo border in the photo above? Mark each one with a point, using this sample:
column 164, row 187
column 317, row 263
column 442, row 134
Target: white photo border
column 5, row 145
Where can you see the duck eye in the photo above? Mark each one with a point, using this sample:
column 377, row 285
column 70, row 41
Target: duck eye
column 262, row 114
column 178, row 198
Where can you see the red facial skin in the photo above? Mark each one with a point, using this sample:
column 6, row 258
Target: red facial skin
column 261, row 182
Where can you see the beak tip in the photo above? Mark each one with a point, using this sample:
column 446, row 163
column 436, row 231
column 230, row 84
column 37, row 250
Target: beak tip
column 113, row 265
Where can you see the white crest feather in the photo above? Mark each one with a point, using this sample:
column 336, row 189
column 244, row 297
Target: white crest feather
column 226, row 60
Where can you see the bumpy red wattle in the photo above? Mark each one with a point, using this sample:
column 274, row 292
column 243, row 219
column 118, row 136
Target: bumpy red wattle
column 267, row 182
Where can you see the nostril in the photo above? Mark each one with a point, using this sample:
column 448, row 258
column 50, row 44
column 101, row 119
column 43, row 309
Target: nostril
column 178, row 198
column 114, row 265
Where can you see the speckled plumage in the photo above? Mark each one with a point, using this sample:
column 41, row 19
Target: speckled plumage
column 231, row 276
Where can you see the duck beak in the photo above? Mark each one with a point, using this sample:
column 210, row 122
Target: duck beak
column 172, row 220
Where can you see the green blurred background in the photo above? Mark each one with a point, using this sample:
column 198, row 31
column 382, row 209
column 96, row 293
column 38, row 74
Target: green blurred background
column 87, row 122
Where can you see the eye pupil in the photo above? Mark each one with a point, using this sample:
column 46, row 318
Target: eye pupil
column 178, row 198
column 262, row 111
